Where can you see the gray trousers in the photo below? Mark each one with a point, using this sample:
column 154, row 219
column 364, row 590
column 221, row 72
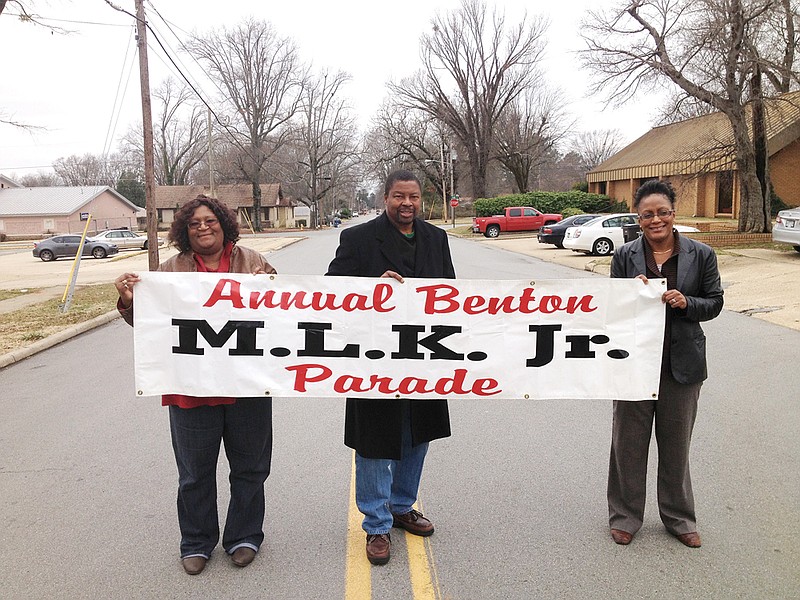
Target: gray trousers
column 674, row 413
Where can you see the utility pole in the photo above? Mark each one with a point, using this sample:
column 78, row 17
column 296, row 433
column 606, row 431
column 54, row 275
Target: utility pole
column 444, row 185
column 210, row 158
column 147, row 126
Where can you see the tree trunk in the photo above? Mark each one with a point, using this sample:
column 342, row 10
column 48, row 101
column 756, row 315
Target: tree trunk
column 256, row 205
column 751, row 200
column 760, row 146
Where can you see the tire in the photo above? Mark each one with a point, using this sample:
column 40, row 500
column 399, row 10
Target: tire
column 560, row 245
column 492, row 231
column 99, row 252
column 144, row 246
column 47, row 255
column 797, row 248
column 603, row 247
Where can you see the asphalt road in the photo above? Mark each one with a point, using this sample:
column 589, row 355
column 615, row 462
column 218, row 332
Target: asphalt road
column 517, row 493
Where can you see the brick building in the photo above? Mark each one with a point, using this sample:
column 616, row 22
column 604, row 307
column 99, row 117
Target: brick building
column 695, row 156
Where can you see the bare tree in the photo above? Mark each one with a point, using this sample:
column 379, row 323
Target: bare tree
column 261, row 78
column 40, row 179
column 526, row 132
column 474, row 66
column 411, row 139
column 90, row 169
column 179, row 135
column 323, row 153
column 597, row 146
column 714, row 51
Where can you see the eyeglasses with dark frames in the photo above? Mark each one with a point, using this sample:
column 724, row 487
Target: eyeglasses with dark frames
column 662, row 213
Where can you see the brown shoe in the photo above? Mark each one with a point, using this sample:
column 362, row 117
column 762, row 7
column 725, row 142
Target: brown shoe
column 194, row 565
column 692, row 540
column 243, row 556
column 379, row 548
column 623, row 538
column 413, row 522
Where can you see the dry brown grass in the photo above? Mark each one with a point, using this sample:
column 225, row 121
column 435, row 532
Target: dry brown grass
column 26, row 325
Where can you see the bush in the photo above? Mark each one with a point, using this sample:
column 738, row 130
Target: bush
column 550, row 202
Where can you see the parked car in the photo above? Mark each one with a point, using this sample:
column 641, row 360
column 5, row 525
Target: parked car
column 787, row 228
column 514, row 218
column 554, row 234
column 123, row 239
column 602, row 235
column 67, row 245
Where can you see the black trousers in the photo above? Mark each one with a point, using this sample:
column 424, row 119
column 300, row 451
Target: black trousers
column 246, row 430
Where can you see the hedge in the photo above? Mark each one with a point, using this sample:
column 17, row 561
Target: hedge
column 550, row 202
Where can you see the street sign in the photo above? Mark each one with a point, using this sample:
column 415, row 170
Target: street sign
column 453, row 202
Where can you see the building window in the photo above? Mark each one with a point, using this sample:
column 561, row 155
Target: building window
column 725, row 192
column 49, row 224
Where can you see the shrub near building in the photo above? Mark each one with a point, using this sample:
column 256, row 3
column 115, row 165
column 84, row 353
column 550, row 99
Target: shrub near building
column 565, row 203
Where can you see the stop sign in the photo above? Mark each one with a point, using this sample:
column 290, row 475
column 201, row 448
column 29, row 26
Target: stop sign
column 453, row 202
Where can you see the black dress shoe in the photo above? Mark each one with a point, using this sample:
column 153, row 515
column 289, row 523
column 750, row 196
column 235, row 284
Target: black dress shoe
column 194, row 565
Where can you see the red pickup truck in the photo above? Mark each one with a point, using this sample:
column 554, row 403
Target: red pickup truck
column 516, row 218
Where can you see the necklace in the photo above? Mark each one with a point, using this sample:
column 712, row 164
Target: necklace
column 663, row 251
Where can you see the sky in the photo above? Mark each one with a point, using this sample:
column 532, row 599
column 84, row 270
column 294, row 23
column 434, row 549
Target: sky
column 82, row 88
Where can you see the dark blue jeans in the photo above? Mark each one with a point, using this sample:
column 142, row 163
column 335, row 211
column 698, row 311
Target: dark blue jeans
column 246, row 429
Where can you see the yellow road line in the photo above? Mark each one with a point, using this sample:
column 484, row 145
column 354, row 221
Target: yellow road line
column 358, row 574
column 422, row 570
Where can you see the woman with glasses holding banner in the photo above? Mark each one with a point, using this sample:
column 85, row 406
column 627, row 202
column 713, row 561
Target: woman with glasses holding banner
column 694, row 294
column 206, row 231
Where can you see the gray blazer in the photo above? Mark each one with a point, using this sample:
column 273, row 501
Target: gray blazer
column 699, row 281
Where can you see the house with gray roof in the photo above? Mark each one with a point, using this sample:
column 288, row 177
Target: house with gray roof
column 43, row 211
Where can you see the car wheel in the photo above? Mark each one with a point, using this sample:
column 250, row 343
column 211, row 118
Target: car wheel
column 560, row 245
column 603, row 247
column 47, row 256
column 492, row 231
column 99, row 252
column 144, row 246
column 797, row 248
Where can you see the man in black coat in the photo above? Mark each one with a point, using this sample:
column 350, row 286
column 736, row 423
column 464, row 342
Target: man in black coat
column 391, row 437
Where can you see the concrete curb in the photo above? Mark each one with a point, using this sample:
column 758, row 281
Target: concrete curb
column 55, row 339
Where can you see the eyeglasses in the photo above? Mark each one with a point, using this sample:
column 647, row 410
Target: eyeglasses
column 198, row 224
column 662, row 214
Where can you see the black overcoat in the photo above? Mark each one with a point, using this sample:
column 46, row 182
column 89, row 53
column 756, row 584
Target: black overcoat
column 373, row 427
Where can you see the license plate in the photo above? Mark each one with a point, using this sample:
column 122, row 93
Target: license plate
column 788, row 223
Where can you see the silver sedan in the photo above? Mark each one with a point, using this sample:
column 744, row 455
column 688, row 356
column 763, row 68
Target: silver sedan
column 123, row 239
column 787, row 228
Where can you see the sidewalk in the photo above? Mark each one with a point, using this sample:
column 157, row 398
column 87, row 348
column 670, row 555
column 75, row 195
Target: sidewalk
column 758, row 282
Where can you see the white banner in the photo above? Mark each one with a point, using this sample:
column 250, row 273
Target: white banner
column 208, row 334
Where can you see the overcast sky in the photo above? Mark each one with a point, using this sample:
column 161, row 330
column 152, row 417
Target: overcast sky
column 67, row 84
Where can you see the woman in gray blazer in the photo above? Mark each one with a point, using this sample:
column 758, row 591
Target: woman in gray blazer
column 694, row 294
